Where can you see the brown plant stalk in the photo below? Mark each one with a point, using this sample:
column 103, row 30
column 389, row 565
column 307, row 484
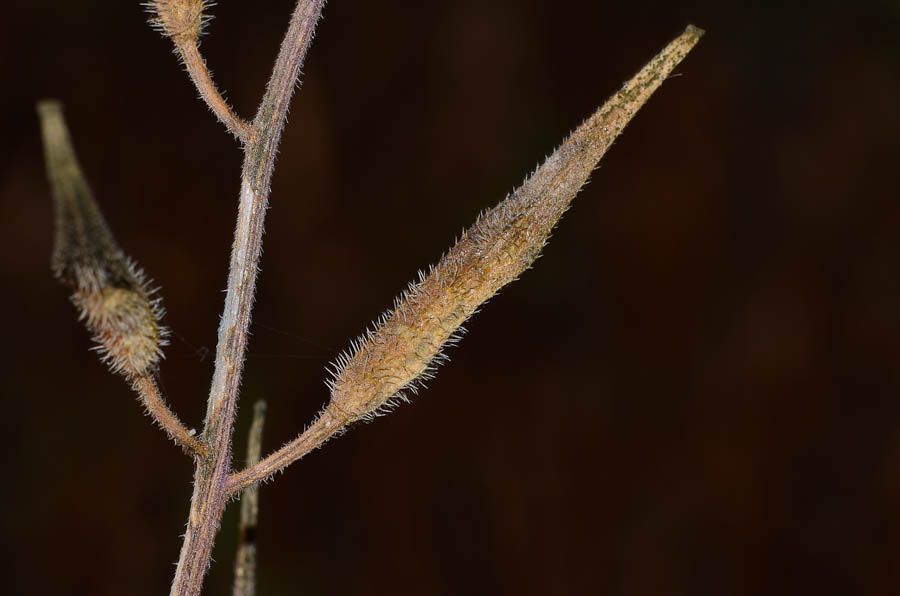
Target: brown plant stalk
column 393, row 358
column 210, row 476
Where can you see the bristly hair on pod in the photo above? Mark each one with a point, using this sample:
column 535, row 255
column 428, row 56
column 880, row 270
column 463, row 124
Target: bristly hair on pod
column 180, row 20
column 406, row 343
column 115, row 299
column 426, row 361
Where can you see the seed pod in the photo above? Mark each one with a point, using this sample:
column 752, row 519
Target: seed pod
column 113, row 296
column 180, row 20
column 406, row 344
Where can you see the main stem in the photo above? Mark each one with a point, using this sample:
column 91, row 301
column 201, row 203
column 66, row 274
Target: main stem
column 210, row 475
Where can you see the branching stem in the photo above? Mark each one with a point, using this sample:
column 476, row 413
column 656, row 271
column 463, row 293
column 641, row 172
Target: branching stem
column 502, row 243
column 210, row 476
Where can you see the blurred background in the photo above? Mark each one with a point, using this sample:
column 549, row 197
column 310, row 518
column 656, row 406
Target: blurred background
column 694, row 392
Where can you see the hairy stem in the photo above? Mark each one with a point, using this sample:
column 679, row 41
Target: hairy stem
column 200, row 75
column 325, row 427
column 156, row 406
column 210, row 495
column 245, row 561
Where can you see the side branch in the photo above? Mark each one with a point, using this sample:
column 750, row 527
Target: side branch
column 157, row 408
column 183, row 22
column 327, row 425
column 202, row 79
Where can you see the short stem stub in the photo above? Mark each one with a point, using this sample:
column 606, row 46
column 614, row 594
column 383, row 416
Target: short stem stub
column 245, row 560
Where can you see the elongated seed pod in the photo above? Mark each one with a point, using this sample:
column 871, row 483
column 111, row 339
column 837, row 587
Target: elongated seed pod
column 113, row 296
column 406, row 344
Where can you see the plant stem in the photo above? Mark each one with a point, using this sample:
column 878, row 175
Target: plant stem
column 327, row 425
column 210, row 476
column 156, row 406
column 200, row 75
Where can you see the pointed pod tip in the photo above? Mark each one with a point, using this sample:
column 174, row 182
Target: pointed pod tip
column 695, row 31
column 50, row 114
column 48, row 106
column 259, row 408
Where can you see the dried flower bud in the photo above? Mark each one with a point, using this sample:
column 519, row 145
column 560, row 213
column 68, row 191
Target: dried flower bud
column 111, row 293
column 180, row 20
column 406, row 344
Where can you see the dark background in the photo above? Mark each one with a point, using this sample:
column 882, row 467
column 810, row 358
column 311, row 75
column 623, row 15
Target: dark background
column 694, row 392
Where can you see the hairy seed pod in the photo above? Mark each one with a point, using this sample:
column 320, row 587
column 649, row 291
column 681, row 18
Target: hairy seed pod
column 406, row 344
column 180, row 20
column 111, row 293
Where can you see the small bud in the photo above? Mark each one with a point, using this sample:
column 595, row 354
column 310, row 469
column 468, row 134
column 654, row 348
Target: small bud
column 406, row 344
column 180, row 20
column 111, row 293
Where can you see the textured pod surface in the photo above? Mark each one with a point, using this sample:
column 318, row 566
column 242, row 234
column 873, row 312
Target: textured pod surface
column 113, row 296
column 504, row 241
